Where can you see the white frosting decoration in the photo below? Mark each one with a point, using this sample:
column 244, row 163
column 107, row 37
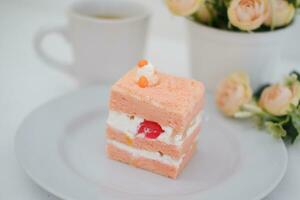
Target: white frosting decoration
column 147, row 154
column 124, row 123
column 149, row 72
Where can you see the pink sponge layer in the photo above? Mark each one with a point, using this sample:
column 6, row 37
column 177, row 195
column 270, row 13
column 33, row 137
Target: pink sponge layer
column 174, row 101
column 115, row 153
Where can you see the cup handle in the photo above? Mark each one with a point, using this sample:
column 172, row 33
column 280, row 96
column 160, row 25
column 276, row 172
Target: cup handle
column 38, row 40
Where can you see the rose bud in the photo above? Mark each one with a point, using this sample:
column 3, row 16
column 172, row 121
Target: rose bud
column 183, row 7
column 276, row 99
column 204, row 13
column 248, row 15
column 282, row 14
column 232, row 93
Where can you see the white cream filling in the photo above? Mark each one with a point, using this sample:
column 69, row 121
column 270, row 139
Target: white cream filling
column 129, row 125
column 147, row 154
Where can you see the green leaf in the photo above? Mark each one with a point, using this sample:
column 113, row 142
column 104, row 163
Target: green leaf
column 295, row 120
column 260, row 118
column 291, row 131
column 259, row 121
column 259, row 91
column 294, row 2
column 290, row 79
column 275, row 129
column 220, row 9
column 227, row 3
column 296, row 73
column 276, row 125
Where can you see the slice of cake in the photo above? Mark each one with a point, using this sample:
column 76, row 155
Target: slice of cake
column 154, row 120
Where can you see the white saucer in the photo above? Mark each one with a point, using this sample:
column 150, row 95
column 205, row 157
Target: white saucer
column 61, row 147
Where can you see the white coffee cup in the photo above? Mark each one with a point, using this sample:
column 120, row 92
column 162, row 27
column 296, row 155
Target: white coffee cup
column 107, row 38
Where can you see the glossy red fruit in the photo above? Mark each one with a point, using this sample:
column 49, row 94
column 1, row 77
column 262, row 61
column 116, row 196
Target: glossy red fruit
column 151, row 129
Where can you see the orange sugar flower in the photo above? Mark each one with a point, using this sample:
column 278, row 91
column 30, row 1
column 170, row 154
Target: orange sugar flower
column 143, row 82
column 142, row 63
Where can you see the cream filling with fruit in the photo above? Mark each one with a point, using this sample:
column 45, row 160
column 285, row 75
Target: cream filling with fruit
column 129, row 125
column 148, row 154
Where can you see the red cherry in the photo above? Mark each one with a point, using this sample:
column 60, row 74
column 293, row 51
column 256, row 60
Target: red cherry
column 151, row 129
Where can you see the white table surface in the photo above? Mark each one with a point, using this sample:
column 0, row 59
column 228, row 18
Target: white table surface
column 26, row 82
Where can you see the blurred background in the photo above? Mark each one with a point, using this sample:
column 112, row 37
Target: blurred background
column 26, row 82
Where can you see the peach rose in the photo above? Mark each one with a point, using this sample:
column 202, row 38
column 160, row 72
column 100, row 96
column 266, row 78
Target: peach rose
column 233, row 92
column 282, row 13
column 204, row 14
column 276, row 99
column 183, row 7
column 248, row 15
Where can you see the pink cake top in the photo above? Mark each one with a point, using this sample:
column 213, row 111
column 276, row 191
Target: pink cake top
column 170, row 92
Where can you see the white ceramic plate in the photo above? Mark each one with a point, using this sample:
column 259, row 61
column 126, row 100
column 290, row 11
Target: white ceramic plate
column 61, row 146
